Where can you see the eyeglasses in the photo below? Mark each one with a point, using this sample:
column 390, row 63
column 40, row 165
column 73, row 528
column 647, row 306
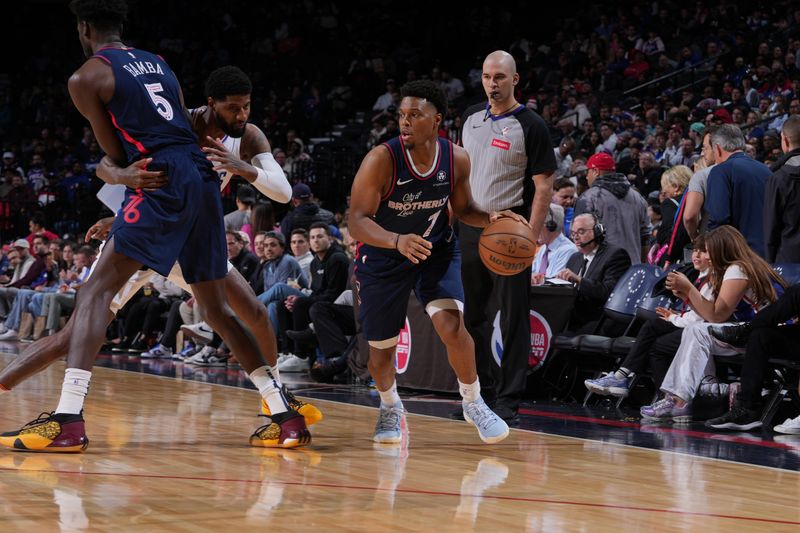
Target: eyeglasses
column 579, row 232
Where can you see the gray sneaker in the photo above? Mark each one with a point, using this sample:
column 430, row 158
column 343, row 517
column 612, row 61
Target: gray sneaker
column 388, row 428
column 491, row 427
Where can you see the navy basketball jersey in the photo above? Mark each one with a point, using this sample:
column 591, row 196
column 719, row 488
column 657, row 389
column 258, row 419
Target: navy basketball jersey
column 146, row 107
column 417, row 203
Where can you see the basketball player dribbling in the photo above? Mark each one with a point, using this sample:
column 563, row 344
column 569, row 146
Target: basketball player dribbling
column 225, row 117
column 135, row 107
column 399, row 215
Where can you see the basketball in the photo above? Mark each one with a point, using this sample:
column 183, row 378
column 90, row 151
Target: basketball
column 507, row 247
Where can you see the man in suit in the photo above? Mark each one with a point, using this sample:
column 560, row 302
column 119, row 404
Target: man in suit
column 594, row 269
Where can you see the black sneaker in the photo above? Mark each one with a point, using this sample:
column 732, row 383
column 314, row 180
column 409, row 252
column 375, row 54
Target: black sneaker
column 735, row 335
column 738, row 418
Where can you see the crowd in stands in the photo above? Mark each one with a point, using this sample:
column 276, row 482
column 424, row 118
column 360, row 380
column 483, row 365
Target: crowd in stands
column 669, row 122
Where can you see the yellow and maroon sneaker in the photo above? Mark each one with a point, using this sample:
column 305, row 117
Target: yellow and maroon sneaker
column 284, row 430
column 309, row 412
column 50, row 432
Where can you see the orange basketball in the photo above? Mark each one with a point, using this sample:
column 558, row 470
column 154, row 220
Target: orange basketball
column 507, row 247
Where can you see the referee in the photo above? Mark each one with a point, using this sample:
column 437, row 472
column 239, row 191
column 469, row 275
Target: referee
column 512, row 165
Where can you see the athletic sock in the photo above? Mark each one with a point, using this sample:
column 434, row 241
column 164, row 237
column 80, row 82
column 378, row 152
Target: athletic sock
column 471, row 392
column 269, row 389
column 73, row 391
column 275, row 373
column 623, row 373
column 390, row 396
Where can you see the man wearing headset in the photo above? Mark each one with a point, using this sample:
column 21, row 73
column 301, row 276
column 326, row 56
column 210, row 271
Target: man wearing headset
column 620, row 206
column 594, row 269
column 554, row 247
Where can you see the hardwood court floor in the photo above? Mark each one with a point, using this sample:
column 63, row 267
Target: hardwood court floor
column 172, row 455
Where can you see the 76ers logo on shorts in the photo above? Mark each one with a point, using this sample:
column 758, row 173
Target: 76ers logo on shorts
column 540, row 340
column 403, row 351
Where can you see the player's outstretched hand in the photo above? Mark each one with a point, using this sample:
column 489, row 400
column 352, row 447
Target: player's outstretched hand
column 495, row 215
column 223, row 159
column 136, row 176
column 100, row 229
column 414, row 247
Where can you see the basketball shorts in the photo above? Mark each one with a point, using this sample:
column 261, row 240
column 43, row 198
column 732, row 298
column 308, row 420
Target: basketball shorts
column 180, row 222
column 385, row 278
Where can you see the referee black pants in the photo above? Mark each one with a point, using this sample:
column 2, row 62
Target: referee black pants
column 504, row 384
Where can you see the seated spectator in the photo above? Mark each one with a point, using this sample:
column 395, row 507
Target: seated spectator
column 770, row 333
column 256, row 280
column 554, row 248
column 239, row 255
column 647, row 174
column 658, row 339
column 563, row 157
column 262, row 218
column 564, row 196
column 54, row 305
column 305, row 212
column 245, row 198
column 29, row 271
column 749, row 285
column 143, row 319
column 329, row 275
column 301, row 250
column 612, row 199
column 595, row 269
column 36, row 226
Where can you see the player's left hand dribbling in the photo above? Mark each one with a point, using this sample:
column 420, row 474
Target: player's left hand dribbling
column 496, row 215
column 414, row 247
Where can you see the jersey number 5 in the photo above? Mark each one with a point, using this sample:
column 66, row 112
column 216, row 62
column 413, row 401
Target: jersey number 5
column 161, row 103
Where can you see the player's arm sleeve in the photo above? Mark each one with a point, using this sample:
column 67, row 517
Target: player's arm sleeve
column 271, row 180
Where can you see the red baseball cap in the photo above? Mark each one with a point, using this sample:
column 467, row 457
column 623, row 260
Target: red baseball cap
column 601, row 161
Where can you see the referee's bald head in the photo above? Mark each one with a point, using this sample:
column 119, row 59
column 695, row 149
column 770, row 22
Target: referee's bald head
column 503, row 59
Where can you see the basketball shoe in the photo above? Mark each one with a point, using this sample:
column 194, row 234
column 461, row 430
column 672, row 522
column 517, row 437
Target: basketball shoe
column 50, row 432
column 284, row 430
column 388, row 429
column 311, row 414
column 491, row 428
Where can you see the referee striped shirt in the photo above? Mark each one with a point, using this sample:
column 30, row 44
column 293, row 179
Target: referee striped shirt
column 505, row 151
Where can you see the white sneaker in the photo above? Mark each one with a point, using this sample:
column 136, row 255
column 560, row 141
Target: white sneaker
column 157, row 352
column 791, row 426
column 207, row 357
column 9, row 335
column 200, row 331
column 292, row 363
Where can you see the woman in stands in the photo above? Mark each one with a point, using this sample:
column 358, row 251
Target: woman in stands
column 672, row 238
column 743, row 284
column 659, row 338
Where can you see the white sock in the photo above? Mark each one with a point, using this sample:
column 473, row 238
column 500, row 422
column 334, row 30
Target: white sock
column 623, row 373
column 73, row 391
column 275, row 374
column 270, row 390
column 470, row 393
column 390, row 397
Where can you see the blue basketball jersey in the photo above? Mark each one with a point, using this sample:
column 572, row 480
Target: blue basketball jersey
column 417, row 203
column 146, row 107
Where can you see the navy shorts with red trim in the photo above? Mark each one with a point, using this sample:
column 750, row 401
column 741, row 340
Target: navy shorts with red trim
column 181, row 222
column 384, row 279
